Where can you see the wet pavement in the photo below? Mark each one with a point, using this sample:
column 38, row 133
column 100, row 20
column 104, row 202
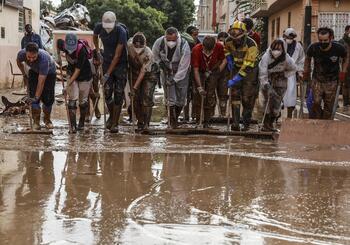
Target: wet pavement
column 144, row 198
column 99, row 188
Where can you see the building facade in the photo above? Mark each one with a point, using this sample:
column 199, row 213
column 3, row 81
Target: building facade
column 14, row 15
column 281, row 14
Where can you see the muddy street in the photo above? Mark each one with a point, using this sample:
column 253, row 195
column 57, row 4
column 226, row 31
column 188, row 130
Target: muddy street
column 143, row 198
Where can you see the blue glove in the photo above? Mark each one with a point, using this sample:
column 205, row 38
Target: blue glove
column 104, row 79
column 309, row 102
column 230, row 62
column 234, row 81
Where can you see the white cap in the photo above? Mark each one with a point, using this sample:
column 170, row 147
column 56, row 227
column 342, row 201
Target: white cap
column 108, row 20
column 290, row 32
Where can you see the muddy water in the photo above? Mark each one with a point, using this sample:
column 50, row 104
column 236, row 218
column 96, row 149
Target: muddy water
column 144, row 198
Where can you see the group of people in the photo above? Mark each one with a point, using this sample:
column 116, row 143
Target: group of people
column 227, row 69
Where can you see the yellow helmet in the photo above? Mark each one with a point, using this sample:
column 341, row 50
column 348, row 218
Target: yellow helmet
column 239, row 25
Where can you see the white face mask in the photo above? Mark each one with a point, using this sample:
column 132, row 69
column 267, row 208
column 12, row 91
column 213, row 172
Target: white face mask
column 276, row 53
column 139, row 50
column 289, row 41
column 171, row 44
column 108, row 30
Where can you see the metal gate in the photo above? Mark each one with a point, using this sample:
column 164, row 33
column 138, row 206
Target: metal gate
column 337, row 21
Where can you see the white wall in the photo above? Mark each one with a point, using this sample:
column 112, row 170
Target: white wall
column 10, row 45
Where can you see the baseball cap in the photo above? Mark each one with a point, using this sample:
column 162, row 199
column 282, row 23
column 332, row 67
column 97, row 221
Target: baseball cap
column 108, row 20
column 71, row 42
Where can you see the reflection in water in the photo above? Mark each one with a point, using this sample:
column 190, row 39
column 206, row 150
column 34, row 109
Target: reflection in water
column 128, row 198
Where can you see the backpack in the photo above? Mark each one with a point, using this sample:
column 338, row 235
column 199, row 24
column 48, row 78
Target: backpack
column 125, row 29
column 84, row 44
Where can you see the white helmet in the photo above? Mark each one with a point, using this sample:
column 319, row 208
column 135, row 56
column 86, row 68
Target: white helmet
column 108, row 20
column 290, row 32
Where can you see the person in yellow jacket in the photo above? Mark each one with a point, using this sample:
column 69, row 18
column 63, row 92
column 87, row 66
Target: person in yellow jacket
column 241, row 54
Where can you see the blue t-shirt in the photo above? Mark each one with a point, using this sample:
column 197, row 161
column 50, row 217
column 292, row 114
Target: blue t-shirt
column 44, row 65
column 110, row 42
column 33, row 38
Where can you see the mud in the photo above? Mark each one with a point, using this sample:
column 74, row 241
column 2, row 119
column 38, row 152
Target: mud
column 132, row 198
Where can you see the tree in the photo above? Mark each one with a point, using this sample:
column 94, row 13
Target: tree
column 129, row 13
column 180, row 13
column 47, row 4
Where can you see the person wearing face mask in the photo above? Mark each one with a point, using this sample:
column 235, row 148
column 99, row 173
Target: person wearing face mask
column 241, row 54
column 327, row 56
column 173, row 54
column 144, row 79
column 31, row 37
column 296, row 51
column 80, row 78
column 208, row 61
column 41, row 82
column 345, row 41
column 275, row 67
column 221, row 88
column 114, row 37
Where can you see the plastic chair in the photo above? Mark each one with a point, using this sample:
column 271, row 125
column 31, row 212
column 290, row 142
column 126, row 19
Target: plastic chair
column 14, row 75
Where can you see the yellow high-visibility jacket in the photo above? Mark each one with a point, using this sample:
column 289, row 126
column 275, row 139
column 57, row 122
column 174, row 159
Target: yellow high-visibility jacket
column 245, row 56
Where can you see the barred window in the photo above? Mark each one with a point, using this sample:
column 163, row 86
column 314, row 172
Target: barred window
column 20, row 20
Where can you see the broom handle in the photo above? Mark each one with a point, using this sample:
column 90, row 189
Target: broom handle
column 65, row 101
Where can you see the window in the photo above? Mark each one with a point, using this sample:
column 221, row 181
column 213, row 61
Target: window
column 273, row 24
column 20, row 20
column 289, row 19
column 278, row 27
column 2, row 32
column 336, row 21
column 27, row 16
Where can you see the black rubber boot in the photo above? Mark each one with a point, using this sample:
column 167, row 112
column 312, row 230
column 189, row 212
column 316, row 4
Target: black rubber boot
column 178, row 110
column 47, row 117
column 173, row 118
column 271, row 124
column 266, row 127
column 110, row 117
column 73, row 119
column 83, row 112
column 236, row 114
column 290, row 112
column 116, row 112
column 147, row 116
column 36, row 118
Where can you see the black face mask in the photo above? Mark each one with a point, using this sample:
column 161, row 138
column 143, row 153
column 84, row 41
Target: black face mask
column 324, row 45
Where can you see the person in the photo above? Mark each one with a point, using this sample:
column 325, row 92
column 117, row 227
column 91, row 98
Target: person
column 345, row 41
column 173, row 55
column 275, row 67
column 41, row 80
column 221, row 88
column 252, row 34
column 296, row 51
column 144, row 78
column 208, row 62
column 114, row 66
column 31, row 37
column 327, row 55
column 191, row 36
column 80, row 77
column 241, row 53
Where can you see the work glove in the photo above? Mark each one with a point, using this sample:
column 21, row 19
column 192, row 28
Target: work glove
column 342, row 76
column 230, row 63
column 33, row 100
column 201, row 91
column 268, row 89
column 235, row 81
column 104, row 79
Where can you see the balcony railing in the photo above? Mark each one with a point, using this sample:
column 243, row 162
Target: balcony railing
column 258, row 4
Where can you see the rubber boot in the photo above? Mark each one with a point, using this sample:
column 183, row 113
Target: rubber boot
column 83, row 112
column 266, row 127
column 187, row 113
column 173, row 119
column 47, row 118
column 87, row 114
column 236, row 114
column 116, row 112
column 147, row 116
column 73, row 119
column 36, row 118
column 178, row 110
column 110, row 119
column 290, row 112
column 223, row 108
column 271, row 124
column 97, row 110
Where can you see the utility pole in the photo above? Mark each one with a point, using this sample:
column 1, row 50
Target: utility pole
column 307, row 24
